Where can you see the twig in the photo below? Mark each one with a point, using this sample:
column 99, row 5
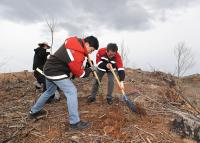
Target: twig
column 58, row 115
column 168, row 135
column 149, row 141
column 16, row 133
column 188, row 102
column 37, row 134
column 141, row 137
column 145, row 132
column 102, row 116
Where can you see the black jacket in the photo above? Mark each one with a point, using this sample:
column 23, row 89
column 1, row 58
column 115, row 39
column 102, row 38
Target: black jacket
column 40, row 58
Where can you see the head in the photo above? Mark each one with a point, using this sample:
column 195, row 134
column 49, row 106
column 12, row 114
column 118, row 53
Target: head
column 91, row 43
column 44, row 45
column 112, row 49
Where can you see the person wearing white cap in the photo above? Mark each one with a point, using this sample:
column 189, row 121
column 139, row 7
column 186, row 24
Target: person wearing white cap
column 39, row 60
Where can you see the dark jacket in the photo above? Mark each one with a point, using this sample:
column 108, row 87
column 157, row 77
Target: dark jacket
column 67, row 59
column 40, row 58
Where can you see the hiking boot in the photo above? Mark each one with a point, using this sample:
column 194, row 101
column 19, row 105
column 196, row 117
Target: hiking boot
column 91, row 99
column 80, row 125
column 32, row 115
column 109, row 101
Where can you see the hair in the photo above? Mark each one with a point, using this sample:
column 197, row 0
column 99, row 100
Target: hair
column 93, row 41
column 112, row 47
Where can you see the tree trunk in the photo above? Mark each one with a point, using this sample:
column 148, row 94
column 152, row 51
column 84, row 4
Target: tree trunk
column 187, row 125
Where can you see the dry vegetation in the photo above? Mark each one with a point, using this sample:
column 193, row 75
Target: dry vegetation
column 160, row 97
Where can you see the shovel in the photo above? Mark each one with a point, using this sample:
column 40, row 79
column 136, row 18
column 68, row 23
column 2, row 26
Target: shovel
column 95, row 73
column 129, row 103
column 97, row 78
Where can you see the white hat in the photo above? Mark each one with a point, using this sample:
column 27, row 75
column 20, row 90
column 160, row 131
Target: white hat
column 44, row 43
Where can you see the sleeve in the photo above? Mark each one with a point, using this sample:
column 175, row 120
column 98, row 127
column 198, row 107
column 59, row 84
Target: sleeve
column 43, row 54
column 101, row 62
column 120, row 68
column 78, row 70
column 98, row 57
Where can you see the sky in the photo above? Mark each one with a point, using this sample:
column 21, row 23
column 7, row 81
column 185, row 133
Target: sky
column 149, row 30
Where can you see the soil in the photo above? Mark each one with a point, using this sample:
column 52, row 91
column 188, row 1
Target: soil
column 109, row 123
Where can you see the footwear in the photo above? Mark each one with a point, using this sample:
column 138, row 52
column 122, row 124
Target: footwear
column 32, row 115
column 91, row 99
column 80, row 125
column 37, row 84
column 57, row 95
column 109, row 101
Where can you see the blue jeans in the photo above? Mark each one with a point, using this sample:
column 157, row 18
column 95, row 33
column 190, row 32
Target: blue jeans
column 70, row 92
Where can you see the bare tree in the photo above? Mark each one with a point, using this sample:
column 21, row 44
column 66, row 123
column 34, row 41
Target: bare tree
column 51, row 22
column 184, row 58
column 124, row 53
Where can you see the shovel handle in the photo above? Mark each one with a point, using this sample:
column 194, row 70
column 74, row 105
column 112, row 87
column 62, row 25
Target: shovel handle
column 116, row 78
column 95, row 73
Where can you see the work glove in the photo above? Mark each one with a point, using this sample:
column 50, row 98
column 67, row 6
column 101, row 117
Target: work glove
column 93, row 68
column 122, row 85
column 48, row 56
column 109, row 65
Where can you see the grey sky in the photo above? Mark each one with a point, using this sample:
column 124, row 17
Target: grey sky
column 149, row 28
column 76, row 15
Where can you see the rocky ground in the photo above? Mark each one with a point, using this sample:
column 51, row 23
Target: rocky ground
column 162, row 97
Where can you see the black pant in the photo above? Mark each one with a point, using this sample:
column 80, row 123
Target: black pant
column 95, row 86
column 41, row 79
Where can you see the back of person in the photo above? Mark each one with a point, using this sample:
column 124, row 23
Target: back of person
column 67, row 59
column 40, row 58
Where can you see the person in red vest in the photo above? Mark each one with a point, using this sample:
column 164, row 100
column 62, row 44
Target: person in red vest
column 104, row 57
column 68, row 59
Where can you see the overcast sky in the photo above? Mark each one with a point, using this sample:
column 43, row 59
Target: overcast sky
column 149, row 29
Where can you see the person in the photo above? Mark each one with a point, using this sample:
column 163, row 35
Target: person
column 39, row 60
column 40, row 57
column 104, row 57
column 68, row 59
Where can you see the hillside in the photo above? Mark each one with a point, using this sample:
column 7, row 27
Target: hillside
column 160, row 98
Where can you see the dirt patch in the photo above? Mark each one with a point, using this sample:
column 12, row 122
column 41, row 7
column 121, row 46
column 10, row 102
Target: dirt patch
column 109, row 123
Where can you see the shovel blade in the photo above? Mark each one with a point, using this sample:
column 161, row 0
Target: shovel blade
column 130, row 104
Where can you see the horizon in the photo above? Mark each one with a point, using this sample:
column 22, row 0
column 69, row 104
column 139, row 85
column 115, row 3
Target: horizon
column 150, row 30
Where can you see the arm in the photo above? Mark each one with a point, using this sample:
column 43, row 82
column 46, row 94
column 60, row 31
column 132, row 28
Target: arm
column 77, row 69
column 120, row 67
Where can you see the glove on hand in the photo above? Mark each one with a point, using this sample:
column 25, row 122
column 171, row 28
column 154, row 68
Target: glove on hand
column 122, row 85
column 109, row 65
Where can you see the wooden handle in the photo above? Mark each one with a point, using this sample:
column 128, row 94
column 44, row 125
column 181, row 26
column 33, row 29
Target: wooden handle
column 95, row 74
column 116, row 78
